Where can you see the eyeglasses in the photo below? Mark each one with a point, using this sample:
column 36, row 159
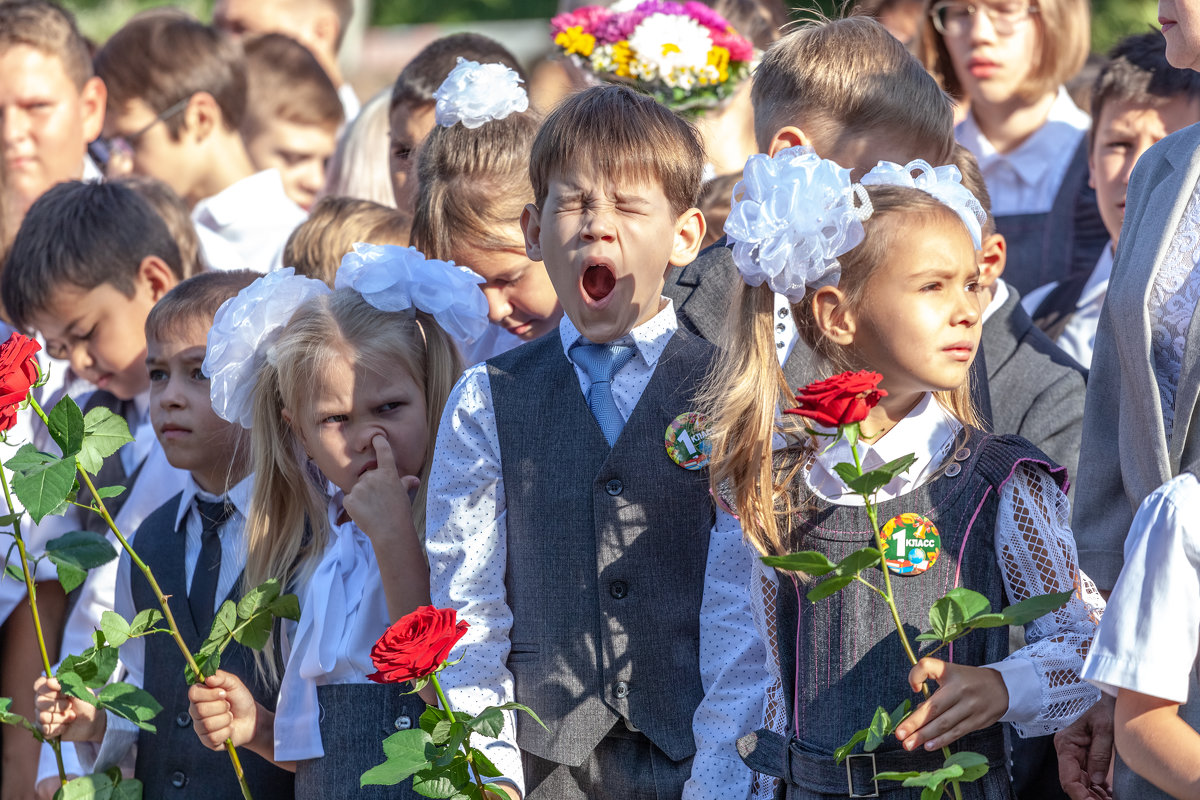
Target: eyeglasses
column 120, row 148
column 953, row 18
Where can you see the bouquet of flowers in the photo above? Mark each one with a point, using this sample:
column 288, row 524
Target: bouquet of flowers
column 685, row 55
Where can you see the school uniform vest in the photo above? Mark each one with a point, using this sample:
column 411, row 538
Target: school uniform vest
column 1127, row 784
column 606, row 554
column 840, row 658
column 172, row 763
column 1055, row 245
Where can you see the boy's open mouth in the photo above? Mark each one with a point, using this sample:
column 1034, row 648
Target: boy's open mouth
column 599, row 281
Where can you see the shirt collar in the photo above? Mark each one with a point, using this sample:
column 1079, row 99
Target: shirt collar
column 238, row 495
column 927, row 430
column 649, row 339
column 999, row 295
column 1097, row 283
column 243, row 198
column 1044, row 147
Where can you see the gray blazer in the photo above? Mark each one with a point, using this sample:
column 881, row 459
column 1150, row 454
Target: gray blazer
column 1125, row 453
column 1036, row 389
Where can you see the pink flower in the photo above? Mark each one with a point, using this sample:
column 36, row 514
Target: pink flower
column 739, row 49
column 589, row 18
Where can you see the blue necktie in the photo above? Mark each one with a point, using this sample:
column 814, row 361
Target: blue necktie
column 601, row 362
column 203, row 596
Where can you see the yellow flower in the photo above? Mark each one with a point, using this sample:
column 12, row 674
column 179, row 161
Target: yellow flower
column 670, row 48
column 622, row 56
column 719, row 57
column 574, row 40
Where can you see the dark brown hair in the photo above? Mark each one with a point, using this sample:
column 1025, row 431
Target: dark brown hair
column 422, row 76
column 285, row 81
column 195, row 300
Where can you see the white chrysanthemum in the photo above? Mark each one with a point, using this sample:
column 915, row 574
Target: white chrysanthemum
column 475, row 93
column 602, row 58
column 671, row 42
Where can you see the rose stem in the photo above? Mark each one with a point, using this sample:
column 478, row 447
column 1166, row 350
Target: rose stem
column 31, row 591
column 158, row 594
column 890, row 599
column 437, row 687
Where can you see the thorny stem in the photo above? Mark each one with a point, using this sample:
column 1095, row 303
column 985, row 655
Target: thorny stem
column 890, row 599
column 437, row 687
column 100, row 509
column 31, row 591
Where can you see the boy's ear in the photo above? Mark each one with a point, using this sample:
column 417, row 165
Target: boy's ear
column 788, row 136
column 531, row 226
column 834, row 319
column 202, row 117
column 92, row 101
column 325, row 28
column 993, row 257
column 689, row 235
column 154, row 273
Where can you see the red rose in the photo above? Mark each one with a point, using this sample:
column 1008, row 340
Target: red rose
column 417, row 645
column 840, row 400
column 18, row 371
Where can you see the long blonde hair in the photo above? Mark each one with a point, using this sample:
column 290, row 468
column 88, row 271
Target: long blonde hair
column 748, row 386
column 288, row 527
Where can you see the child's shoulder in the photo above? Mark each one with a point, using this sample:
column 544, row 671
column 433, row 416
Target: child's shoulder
column 999, row 455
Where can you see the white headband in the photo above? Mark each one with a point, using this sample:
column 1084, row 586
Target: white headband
column 475, row 93
column 793, row 214
column 243, row 330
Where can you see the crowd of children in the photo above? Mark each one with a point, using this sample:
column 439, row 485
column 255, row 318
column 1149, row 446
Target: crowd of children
column 455, row 348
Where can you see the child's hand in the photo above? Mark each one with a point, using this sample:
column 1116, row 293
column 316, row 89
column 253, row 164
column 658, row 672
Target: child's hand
column 380, row 498
column 223, row 708
column 66, row 717
column 967, row 699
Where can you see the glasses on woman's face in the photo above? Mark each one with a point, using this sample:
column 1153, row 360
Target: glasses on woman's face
column 121, row 148
column 952, row 18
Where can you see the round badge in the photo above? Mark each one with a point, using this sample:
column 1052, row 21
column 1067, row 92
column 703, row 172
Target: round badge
column 687, row 440
column 911, row 544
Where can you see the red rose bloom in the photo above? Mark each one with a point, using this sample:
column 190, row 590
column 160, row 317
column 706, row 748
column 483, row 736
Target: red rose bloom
column 18, row 371
column 416, row 645
column 840, row 400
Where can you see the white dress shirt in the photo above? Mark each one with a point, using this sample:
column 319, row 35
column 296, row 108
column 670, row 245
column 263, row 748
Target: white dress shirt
column 466, row 533
column 786, row 333
column 1078, row 338
column 350, row 104
column 1026, row 180
column 495, row 340
column 156, row 482
column 245, row 225
column 121, row 735
column 343, row 612
column 1033, row 544
column 1151, row 631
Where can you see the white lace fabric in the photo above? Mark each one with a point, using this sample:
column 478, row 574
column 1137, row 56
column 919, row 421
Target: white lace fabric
column 1173, row 298
column 1036, row 552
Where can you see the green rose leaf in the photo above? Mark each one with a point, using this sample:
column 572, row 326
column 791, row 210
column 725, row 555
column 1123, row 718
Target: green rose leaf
column 441, row 731
column 522, row 708
column 93, row 666
column 948, row 613
column 884, row 724
column 870, row 482
column 488, row 722
column 44, row 489
column 857, row 561
column 895, row 776
column 116, row 629
column 128, row 789
column 442, row 782
column 828, row 587
column 14, row 571
column 130, row 702
column 75, row 686
column 87, row 787
column 1031, row 608
column 457, row 734
column 257, row 598
column 430, row 717
column 65, row 423
column 809, row 562
column 839, row 755
column 849, row 473
column 74, row 553
column 483, row 764
column 405, row 752
column 10, row 717
column 935, row 779
column 974, row 765
column 105, row 492
column 29, row 457
column 104, row 433
column 145, row 621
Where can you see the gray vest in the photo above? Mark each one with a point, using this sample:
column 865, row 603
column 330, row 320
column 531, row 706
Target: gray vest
column 606, row 553
column 172, row 762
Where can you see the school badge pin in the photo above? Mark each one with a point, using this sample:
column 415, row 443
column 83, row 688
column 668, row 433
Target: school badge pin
column 687, row 440
column 911, row 544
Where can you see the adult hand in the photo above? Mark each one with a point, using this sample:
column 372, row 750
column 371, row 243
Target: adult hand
column 1085, row 753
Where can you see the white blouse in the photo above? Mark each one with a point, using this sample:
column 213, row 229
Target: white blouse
column 1036, row 551
column 343, row 612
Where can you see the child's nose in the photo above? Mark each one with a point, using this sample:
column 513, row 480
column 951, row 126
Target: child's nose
column 598, row 226
column 499, row 308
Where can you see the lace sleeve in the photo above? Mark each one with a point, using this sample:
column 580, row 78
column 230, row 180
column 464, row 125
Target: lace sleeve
column 1036, row 553
column 765, row 589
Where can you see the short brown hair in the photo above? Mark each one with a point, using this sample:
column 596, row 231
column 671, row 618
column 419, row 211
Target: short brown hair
column 422, row 76
column 472, row 183
column 973, row 182
column 286, row 82
column 618, row 132
column 1065, row 27
column 175, row 213
column 850, row 78
column 1137, row 71
column 333, row 226
column 164, row 56
column 195, row 300
column 49, row 28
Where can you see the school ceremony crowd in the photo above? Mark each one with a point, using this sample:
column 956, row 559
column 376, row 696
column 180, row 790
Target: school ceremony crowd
column 531, row 342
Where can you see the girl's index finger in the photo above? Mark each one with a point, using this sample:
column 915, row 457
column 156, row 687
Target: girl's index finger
column 383, row 451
